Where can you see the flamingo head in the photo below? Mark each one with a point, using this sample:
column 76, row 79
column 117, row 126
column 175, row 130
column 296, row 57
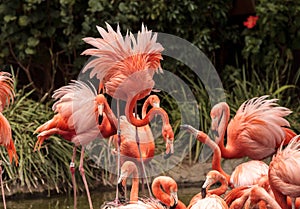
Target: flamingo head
column 200, row 135
column 126, row 170
column 99, row 107
column 174, row 197
column 168, row 136
column 216, row 115
column 154, row 101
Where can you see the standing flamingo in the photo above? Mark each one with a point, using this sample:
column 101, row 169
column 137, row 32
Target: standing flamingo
column 129, row 169
column 284, row 172
column 125, row 68
column 78, row 108
column 6, row 96
column 165, row 190
column 256, row 131
column 247, row 173
column 210, row 198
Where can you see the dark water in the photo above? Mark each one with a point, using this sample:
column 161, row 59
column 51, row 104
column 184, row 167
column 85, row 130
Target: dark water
column 65, row 201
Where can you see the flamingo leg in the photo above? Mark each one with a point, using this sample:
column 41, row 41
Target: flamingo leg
column 2, row 188
column 72, row 169
column 141, row 159
column 81, row 169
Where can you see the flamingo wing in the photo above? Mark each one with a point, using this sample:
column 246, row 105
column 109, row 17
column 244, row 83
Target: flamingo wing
column 284, row 169
column 6, row 89
column 257, row 127
column 248, row 173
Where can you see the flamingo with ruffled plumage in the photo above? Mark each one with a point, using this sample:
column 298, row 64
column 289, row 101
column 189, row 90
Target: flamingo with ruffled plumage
column 6, row 97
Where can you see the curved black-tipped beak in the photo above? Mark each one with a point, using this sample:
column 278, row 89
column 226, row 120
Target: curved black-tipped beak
column 166, row 156
column 100, row 119
column 215, row 133
column 175, row 205
column 121, row 189
column 203, row 193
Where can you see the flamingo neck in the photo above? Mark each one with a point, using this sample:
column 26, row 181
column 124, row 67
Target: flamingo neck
column 225, row 152
column 110, row 115
column 216, row 161
column 259, row 194
column 280, row 198
column 158, row 189
column 134, row 190
column 147, row 118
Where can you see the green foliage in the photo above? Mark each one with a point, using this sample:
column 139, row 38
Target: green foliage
column 44, row 38
column 277, row 33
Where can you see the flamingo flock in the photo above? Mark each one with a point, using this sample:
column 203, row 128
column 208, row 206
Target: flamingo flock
column 125, row 67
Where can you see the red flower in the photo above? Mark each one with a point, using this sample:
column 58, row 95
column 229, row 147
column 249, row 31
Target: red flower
column 251, row 21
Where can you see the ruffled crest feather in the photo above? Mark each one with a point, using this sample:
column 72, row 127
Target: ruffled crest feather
column 116, row 58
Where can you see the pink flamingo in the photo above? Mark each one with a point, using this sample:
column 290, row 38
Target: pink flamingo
column 245, row 174
column 78, row 108
column 165, row 189
column 6, row 97
column 125, row 68
column 256, row 131
column 258, row 194
column 129, row 169
column 283, row 173
column 210, row 198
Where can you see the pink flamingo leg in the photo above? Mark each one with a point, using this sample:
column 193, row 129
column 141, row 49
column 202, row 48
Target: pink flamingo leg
column 81, row 169
column 72, row 169
column 2, row 188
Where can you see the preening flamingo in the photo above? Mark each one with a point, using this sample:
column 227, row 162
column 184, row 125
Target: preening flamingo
column 284, row 172
column 258, row 194
column 210, row 198
column 237, row 197
column 165, row 189
column 125, row 68
column 78, row 109
column 6, row 97
column 129, row 169
column 248, row 173
column 256, row 131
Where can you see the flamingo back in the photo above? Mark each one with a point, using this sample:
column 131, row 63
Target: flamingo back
column 76, row 104
column 285, row 167
column 211, row 202
column 257, row 126
column 248, row 173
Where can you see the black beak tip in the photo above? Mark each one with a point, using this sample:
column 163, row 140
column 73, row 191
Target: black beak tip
column 203, row 193
column 166, row 156
column 215, row 133
column 100, row 119
column 121, row 189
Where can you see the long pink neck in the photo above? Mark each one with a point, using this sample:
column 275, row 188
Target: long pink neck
column 258, row 193
column 216, row 161
column 148, row 117
column 159, row 193
column 225, row 152
column 280, row 198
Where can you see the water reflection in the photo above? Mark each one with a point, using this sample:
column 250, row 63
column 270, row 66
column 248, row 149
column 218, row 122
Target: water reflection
column 65, row 201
